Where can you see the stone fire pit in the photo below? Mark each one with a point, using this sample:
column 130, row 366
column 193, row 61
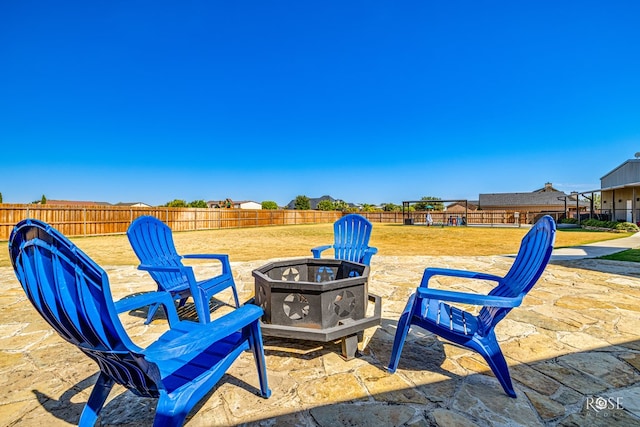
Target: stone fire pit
column 316, row 299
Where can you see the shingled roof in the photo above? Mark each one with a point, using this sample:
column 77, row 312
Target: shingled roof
column 547, row 197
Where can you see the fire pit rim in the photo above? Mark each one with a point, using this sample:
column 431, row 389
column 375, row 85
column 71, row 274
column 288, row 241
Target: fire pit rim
column 307, row 285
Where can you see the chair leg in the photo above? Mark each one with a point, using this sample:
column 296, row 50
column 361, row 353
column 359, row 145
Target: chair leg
column 96, row 400
column 256, row 344
column 152, row 312
column 404, row 323
column 235, row 294
column 202, row 308
column 168, row 414
column 489, row 349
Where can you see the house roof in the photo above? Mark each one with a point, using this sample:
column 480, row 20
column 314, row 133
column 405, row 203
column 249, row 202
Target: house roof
column 132, row 204
column 76, row 203
column 471, row 204
column 544, row 198
column 547, row 187
column 625, row 175
column 313, row 202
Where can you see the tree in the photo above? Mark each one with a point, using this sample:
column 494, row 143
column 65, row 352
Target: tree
column 391, row 207
column 43, row 200
column 302, row 203
column 198, row 204
column 366, row 207
column 176, row 203
column 429, row 203
column 0, row 197
column 268, row 204
column 326, row 205
column 341, row 205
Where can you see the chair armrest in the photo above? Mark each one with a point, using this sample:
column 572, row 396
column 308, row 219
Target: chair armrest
column 149, row 298
column 147, row 267
column 318, row 249
column 368, row 253
column 223, row 258
column 467, row 298
column 202, row 336
column 430, row 272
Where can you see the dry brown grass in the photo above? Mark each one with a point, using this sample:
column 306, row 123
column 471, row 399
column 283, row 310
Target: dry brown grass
column 248, row 244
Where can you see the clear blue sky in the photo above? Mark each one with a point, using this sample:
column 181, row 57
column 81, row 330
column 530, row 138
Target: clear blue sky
column 366, row 101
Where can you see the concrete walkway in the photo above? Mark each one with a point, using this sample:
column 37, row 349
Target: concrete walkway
column 598, row 249
column 573, row 349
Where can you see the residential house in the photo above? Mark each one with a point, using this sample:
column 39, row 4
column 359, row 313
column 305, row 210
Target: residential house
column 230, row 204
column 133, row 204
column 546, row 199
column 220, row 204
column 620, row 192
column 51, row 202
column 247, row 204
column 462, row 207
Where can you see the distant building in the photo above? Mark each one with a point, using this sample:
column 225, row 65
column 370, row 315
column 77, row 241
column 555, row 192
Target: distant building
column 545, row 199
column 460, row 208
column 220, row 204
column 247, row 204
column 620, row 192
column 133, row 204
column 230, row 204
column 74, row 203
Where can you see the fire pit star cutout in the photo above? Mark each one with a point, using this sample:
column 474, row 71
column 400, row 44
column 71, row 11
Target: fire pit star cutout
column 261, row 297
column 291, row 274
column 344, row 303
column 295, row 306
column 325, row 274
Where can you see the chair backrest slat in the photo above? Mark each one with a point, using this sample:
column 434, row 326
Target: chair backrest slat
column 152, row 241
column 351, row 237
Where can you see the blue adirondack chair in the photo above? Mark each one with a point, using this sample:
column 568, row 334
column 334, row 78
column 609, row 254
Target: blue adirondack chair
column 426, row 307
column 351, row 235
column 152, row 241
column 72, row 294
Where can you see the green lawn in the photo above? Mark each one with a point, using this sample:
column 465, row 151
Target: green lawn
column 631, row 255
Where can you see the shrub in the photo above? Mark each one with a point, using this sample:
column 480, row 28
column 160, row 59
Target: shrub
column 614, row 225
column 269, row 204
column 627, row 226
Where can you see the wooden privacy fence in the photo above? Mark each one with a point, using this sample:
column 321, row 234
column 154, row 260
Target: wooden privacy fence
column 101, row 220
column 449, row 218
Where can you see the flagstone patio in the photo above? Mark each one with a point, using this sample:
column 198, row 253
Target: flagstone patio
column 573, row 349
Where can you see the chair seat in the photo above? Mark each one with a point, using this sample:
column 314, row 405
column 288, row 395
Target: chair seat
column 179, row 372
column 447, row 317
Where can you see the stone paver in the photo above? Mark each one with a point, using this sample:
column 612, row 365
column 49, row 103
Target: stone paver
column 573, row 348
